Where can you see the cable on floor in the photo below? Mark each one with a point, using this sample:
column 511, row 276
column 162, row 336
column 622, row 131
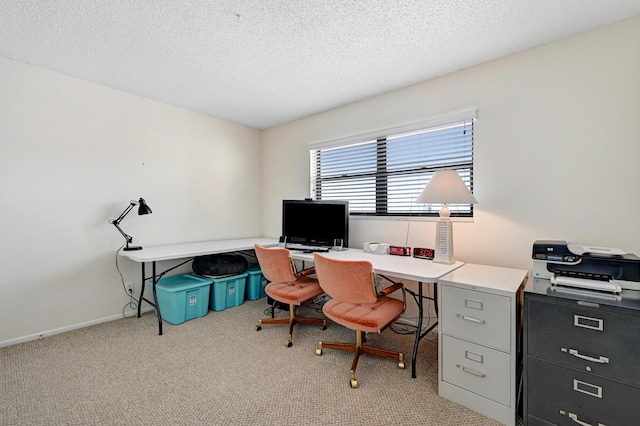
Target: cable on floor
column 132, row 303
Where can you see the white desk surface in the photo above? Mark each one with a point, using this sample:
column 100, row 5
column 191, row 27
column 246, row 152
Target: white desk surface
column 184, row 250
column 406, row 267
column 498, row 280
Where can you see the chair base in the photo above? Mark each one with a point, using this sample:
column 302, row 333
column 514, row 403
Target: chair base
column 358, row 349
column 292, row 320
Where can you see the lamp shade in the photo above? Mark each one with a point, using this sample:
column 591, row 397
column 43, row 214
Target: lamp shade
column 446, row 186
column 143, row 208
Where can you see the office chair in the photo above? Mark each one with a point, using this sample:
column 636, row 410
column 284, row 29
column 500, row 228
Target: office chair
column 356, row 305
column 287, row 286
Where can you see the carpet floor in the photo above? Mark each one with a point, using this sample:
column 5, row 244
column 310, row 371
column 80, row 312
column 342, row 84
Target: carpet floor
column 218, row 370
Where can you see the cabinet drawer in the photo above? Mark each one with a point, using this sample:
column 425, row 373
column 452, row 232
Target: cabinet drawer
column 479, row 369
column 588, row 339
column 476, row 316
column 564, row 396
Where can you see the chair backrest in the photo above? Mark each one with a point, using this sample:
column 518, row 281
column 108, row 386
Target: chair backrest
column 275, row 263
column 346, row 280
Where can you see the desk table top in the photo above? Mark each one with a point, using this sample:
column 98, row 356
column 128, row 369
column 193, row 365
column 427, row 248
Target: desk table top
column 200, row 248
column 406, row 267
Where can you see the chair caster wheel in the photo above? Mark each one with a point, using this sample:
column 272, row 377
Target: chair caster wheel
column 318, row 352
column 288, row 344
column 323, row 327
column 258, row 327
column 353, row 383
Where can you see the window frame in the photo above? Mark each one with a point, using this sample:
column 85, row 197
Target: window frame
column 382, row 174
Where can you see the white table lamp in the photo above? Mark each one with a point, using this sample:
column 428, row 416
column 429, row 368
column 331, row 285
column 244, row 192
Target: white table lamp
column 445, row 187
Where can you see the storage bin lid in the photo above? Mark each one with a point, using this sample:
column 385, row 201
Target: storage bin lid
column 253, row 268
column 229, row 278
column 181, row 282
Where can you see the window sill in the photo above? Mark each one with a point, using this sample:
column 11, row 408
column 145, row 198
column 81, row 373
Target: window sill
column 411, row 218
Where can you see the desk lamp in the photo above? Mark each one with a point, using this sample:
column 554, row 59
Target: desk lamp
column 445, row 187
column 143, row 209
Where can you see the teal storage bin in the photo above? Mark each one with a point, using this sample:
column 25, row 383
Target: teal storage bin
column 256, row 282
column 182, row 297
column 227, row 292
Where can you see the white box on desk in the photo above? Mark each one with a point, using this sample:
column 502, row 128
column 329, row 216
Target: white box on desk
column 376, row 248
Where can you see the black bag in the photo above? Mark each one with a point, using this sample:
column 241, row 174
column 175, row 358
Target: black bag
column 219, row 264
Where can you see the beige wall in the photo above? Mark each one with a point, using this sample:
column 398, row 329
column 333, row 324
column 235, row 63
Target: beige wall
column 557, row 149
column 556, row 156
column 72, row 155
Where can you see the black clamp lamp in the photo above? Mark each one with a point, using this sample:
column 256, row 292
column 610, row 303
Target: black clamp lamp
column 143, row 209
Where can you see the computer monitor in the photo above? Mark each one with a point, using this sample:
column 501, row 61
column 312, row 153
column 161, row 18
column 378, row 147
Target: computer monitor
column 315, row 222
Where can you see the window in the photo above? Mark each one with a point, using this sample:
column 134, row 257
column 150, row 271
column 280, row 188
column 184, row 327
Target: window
column 382, row 176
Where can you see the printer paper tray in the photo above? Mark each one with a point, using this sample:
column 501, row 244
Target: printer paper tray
column 606, row 286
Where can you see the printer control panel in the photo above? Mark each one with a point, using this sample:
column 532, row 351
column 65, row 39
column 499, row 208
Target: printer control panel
column 553, row 257
column 554, row 251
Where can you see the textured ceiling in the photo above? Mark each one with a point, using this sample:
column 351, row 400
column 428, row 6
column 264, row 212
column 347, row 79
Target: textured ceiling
column 266, row 62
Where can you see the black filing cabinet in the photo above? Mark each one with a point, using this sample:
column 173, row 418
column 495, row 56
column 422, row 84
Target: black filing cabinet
column 581, row 356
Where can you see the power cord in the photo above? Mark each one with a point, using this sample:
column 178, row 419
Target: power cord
column 132, row 304
column 273, row 309
column 401, row 328
column 317, row 303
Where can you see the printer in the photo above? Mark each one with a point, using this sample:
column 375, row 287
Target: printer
column 586, row 267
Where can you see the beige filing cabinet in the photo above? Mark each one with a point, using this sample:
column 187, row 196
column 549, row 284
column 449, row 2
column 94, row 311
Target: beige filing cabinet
column 480, row 338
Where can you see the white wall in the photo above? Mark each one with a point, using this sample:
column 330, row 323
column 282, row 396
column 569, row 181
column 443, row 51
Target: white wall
column 72, row 155
column 556, row 138
column 557, row 148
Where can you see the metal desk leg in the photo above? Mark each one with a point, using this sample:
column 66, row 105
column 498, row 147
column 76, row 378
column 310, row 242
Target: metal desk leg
column 435, row 300
column 155, row 299
column 141, row 292
column 419, row 333
column 155, row 303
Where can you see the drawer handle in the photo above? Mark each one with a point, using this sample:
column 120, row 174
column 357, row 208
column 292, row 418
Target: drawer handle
column 600, row 360
column 474, row 372
column 574, row 417
column 472, row 319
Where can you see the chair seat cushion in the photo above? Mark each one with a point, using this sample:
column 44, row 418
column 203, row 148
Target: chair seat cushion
column 371, row 317
column 296, row 292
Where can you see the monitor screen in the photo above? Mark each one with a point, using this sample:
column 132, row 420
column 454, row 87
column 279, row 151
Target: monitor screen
column 315, row 222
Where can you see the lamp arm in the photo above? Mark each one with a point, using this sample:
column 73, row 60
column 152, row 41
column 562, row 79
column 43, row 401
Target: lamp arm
column 116, row 222
column 123, row 214
column 126, row 237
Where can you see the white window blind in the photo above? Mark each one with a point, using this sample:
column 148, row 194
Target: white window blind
column 383, row 176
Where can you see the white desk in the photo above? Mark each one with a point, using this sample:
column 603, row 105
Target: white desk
column 187, row 251
column 403, row 267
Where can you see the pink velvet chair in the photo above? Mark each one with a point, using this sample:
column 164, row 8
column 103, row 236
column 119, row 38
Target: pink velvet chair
column 356, row 305
column 287, row 286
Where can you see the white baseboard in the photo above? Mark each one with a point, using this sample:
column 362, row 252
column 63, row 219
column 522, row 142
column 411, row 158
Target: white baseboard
column 48, row 333
column 43, row 334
